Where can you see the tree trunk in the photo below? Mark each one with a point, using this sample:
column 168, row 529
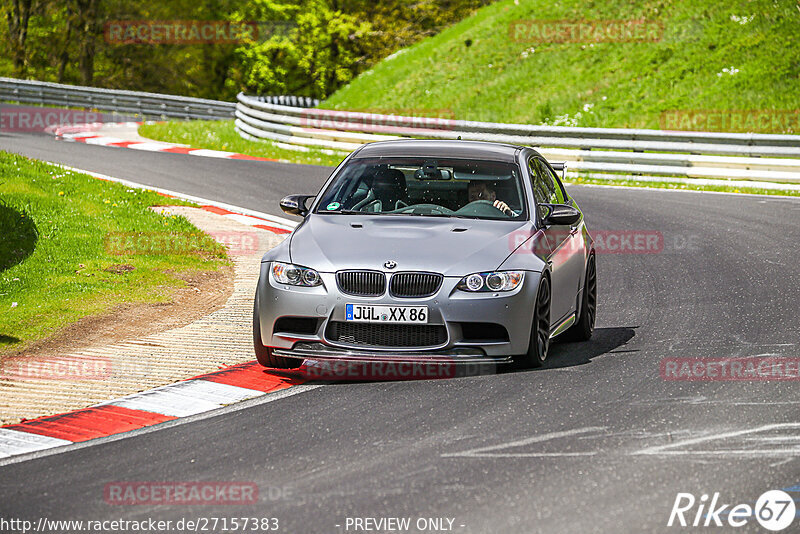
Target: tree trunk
column 18, row 17
column 87, row 15
column 64, row 56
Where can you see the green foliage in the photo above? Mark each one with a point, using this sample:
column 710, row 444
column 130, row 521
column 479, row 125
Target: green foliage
column 318, row 45
column 478, row 72
column 319, row 54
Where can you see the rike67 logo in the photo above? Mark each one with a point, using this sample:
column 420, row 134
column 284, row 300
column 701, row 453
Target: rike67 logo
column 774, row 510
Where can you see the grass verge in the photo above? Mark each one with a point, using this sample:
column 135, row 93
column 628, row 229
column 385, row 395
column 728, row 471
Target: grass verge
column 221, row 135
column 56, row 264
column 739, row 55
column 589, row 180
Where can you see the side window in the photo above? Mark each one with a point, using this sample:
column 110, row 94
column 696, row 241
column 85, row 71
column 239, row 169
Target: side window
column 540, row 192
column 545, row 182
column 558, row 190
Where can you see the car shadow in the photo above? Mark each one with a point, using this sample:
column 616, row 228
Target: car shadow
column 19, row 236
column 562, row 354
column 603, row 341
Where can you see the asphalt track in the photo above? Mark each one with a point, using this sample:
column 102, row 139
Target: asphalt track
column 597, row 441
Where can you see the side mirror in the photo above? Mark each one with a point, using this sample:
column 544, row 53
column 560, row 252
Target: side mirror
column 295, row 204
column 560, row 214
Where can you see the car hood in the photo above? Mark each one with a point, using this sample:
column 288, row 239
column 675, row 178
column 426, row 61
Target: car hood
column 453, row 247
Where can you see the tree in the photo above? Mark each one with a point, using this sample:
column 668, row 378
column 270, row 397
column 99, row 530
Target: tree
column 324, row 50
column 88, row 29
column 18, row 17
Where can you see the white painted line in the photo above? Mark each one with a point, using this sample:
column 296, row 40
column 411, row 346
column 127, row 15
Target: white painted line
column 165, row 402
column 215, row 392
column 279, row 222
column 751, row 453
column 17, row 442
column 186, row 398
column 523, row 455
column 211, row 153
column 775, row 439
column 150, row 147
column 103, row 140
column 245, row 219
column 669, row 448
column 79, row 135
column 485, row 452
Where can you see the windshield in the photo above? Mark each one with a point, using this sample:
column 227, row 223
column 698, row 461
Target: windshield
column 426, row 187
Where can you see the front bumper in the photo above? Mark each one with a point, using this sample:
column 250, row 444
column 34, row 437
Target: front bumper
column 320, row 351
column 449, row 307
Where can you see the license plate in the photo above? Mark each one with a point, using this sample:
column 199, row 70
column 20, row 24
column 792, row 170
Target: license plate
column 360, row 313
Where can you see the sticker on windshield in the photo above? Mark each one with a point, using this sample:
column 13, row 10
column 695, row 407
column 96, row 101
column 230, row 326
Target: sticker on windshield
column 333, row 206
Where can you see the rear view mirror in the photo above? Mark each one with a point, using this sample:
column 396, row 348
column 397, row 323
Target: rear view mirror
column 560, row 214
column 295, row 204
column 431, row 171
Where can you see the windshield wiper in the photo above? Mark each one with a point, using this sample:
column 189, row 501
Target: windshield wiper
column 344, row 212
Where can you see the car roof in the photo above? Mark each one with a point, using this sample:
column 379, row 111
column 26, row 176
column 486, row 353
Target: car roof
column 479, row 150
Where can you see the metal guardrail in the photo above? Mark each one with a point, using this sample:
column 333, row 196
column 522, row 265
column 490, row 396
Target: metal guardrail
column 145, row 105
column 293, row 122
column 609, row 150
column 287, row 100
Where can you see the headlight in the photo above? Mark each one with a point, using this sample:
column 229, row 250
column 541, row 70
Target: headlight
column 294, row 275
column 489, row 282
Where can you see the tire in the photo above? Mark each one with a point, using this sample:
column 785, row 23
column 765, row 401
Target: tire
column 539, row 342
column 264, row 354
column 584, row 326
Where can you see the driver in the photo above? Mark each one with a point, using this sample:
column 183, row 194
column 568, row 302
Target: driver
column 483, row 190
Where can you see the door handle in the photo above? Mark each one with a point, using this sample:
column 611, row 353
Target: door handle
column 573, row 230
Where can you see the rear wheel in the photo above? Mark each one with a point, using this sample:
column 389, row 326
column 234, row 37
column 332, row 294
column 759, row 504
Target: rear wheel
column 264, row 354
column 539, row 342
column 584, row 326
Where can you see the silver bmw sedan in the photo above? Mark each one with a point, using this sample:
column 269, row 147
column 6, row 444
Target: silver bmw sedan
column 435, row 251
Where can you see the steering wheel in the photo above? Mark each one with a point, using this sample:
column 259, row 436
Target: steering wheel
column 425, row 208
column 481, row 208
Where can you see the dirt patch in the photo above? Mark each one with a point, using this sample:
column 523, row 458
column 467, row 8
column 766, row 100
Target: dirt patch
column 120, row 268
column 205, row 292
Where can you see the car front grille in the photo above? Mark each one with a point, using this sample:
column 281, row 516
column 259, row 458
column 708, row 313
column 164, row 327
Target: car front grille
column 387, row 335
column 361, row 283
column 410, row 285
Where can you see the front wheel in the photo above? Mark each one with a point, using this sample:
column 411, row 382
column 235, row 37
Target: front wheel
column 264, row 354
column 584, row 327
column 539, row 342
